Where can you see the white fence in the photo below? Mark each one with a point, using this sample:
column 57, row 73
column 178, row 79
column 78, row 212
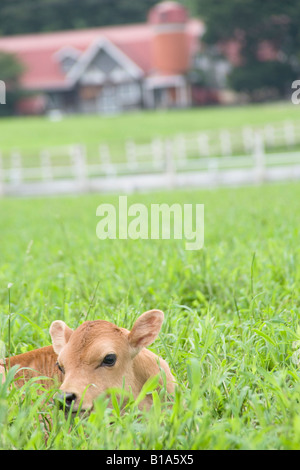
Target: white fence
column 227, row 157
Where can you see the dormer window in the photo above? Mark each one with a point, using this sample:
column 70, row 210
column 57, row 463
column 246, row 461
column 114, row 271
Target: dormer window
column 67, row 63
column 67, row 57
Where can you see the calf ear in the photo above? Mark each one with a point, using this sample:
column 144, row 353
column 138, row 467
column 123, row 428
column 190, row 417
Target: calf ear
column 145, row 330
column 60, row 334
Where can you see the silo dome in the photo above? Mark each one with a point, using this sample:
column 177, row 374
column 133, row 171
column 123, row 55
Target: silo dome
column 167, row 12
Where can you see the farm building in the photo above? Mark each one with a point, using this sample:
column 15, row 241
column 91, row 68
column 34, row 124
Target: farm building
column 110, row 69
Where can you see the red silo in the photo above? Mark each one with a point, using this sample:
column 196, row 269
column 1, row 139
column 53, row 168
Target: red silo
column 169, row 44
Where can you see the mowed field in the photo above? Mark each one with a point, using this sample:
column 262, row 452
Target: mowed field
column 231, row 333
column 31, row 135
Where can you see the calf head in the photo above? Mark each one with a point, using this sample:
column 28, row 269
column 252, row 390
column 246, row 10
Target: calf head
column 99, row 355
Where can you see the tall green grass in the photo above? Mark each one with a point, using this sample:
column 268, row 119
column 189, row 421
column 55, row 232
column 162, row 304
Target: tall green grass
column 231, row 319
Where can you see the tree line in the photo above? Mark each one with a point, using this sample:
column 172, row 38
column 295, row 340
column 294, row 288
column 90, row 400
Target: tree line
column 253, row 23
column 33, row 16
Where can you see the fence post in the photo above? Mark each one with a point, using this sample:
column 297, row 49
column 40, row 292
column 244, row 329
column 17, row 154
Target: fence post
column 170, row 168
column 225, row 139
column 16, row 168
column 106, row 160
column 289, row 132
column 157, row 153
column 270, row 135
column 79, row 165
column 203, row 144
column 259, row 158
column 46, row 165
column 181, row 150
column 248, row 139
column 131, row 155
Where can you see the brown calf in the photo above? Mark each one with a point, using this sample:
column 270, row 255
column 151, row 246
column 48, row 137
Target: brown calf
column 97, row 356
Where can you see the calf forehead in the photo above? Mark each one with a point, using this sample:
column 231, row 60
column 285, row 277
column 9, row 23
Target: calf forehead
column 96, row 337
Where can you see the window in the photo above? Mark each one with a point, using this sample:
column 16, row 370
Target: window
column 129, row 93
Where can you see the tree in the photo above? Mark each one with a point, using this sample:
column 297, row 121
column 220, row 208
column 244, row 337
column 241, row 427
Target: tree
column 250, row 23
column 10, row 72
column 262, row 80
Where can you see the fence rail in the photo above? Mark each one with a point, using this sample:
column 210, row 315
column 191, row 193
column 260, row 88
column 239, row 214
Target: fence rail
column 245, row 156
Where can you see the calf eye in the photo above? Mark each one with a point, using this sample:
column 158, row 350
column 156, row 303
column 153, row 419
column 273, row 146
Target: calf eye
column 60, row 368
column 109, row 360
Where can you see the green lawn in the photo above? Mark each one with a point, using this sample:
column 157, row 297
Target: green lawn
column 30, row 135
column 231, row 317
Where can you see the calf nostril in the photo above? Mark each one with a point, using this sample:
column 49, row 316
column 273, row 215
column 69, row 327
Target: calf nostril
column 65, row 399
column 70, row 397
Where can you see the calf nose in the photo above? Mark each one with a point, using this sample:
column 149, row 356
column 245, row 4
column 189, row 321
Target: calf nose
column 65, row 399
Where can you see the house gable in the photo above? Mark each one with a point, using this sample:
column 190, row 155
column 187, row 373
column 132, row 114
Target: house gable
column 103, row 68
column 103, row 62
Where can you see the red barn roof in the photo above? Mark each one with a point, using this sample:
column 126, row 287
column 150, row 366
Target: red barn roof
column 38, row 52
